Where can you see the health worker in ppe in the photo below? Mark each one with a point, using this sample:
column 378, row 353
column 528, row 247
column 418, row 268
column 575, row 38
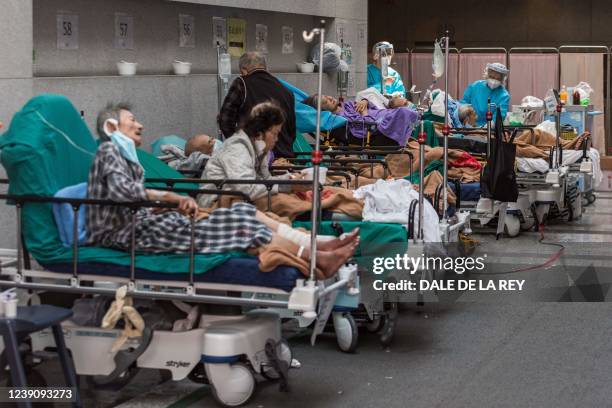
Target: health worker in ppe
column 491, row 87
column 382, row 53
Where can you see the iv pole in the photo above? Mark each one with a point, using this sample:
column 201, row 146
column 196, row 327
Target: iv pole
column 446, row 130
column 317, row 155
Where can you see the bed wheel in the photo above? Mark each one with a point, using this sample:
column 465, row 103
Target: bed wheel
column 375, row 325
column 591, row 197
column 346, row 331
column 390, row 321
column 512, row 225
column 284, row 353
column 232, row 385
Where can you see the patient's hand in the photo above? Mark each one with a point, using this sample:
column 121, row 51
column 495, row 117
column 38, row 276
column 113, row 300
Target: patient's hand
column 362, row 107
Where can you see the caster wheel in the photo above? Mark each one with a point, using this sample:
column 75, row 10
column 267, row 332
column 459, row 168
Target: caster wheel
column 284, row 353
column 512, row 225
column 591, row 198
column 585, row 201
column 388, row 330
column 346, row 332
column 375, row 325
column 232, row 385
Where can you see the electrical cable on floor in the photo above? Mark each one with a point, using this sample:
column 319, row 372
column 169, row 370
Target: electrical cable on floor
column 549, row 262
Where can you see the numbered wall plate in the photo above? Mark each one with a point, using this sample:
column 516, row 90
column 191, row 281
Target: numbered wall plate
column 287, row 47
column 124, row 31
column 67, row 32
column 187, row 37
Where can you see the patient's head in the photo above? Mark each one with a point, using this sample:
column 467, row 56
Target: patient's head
column 200, row 143
column 328, row 103
column 250, row 61
column 119, row 117
column 264, row 123
column 467, row 115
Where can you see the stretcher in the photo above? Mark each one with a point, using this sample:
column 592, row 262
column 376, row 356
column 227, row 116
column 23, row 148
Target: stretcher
column 47, row 148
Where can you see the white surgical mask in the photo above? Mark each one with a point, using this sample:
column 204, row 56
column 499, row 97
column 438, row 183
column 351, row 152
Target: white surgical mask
column 493, row 83
column 260, row 146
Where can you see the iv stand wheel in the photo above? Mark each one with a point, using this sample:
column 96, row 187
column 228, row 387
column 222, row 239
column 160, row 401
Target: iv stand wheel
column 346, row 331
column 591, row 197
column 232, row 384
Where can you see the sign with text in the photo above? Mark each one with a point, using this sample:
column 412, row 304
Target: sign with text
column 67, row 31
column 124, row 31
column 287, row 47
column 186, row 31
column 261, row 38
column 236, row 36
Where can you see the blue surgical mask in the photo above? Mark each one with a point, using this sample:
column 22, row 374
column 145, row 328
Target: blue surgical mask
column 126, row 146
column 217, row 146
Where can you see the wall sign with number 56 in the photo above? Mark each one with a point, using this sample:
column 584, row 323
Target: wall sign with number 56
column 124, row 31
column 67, row 32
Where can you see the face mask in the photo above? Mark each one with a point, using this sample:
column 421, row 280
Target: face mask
column 217, row 145
column 126, row 146
column 260, row 146
column 493, row 83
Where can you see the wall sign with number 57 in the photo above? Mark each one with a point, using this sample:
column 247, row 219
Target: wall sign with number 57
column 186, row 31
column 124, row 31
column 67, row 32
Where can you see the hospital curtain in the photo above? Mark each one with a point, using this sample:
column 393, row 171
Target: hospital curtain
column 532, row 74
column 472, row 66
column 421, row 72
column 401, row 63
column 588, row 67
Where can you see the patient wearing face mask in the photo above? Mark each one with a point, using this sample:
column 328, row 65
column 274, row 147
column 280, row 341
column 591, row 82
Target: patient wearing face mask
column 246, row 155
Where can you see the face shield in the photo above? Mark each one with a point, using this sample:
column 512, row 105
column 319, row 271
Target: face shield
column 383, row 51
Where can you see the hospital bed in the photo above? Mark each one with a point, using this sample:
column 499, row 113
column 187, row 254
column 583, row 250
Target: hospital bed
column 47, row 148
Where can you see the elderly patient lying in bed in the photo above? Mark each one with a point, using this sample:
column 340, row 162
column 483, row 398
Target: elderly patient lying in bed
column 117, row 175
column 395, row 121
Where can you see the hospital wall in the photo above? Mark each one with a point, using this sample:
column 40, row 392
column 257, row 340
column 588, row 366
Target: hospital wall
column 486, row 23
column 165, row 103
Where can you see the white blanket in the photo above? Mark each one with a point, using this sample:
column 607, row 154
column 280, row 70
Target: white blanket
column 528, row 165
column 389, row 201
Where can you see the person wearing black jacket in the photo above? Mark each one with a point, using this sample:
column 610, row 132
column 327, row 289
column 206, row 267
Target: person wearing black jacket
column 256, row 85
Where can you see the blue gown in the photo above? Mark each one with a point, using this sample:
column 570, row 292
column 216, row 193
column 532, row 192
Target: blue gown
column 477, row 94
column 374, row 80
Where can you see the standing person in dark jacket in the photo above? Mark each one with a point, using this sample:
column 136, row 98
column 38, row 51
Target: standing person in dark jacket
column 256, row 85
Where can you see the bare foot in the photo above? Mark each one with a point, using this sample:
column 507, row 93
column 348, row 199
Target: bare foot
column 338, row 242
column 330, row 262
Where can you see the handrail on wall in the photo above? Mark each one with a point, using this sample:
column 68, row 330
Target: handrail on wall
column 535, row 50
column 483, row 49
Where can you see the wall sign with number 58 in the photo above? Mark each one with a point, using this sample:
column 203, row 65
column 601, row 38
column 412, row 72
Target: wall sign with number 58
column 67, row 32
